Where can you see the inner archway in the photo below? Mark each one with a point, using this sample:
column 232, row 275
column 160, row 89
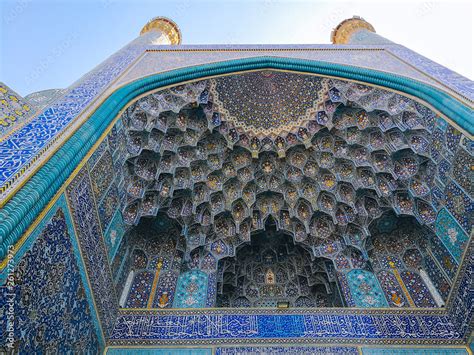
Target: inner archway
column 222, row 157
column 272, row 269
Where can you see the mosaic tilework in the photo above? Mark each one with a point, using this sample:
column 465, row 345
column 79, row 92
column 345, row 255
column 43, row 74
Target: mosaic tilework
column 99, row 233
column 14, row 109
column 437, row 277
column 451, row 234
column 399, row 258
column 117, row 143
column 224, row 326
column 44, row 98
column 120, row 264
column 463, row 171
column 365, row 56
column 165, row 291
column 289, row 349
column 97, row 154
column 392, row 290
column 444, row 170
column 140, row 290
column 212, row 325
column 191, row 291
column 414, row 351
column 81, row 202
column 211, row 290
column 453, row 137
column 451, row 79
column 467, row 144
column 417, row 289
column 51, row 309
column 460, row 206
column 108, row 207
column 154, row 258
column 367, row 37
column 461, row 307
column 104, row 161
column 112, row 200
column 155, row 351
column 438, row 197
column 24, row 144
column 365, row 289
column 244, row 100
column 113, row 138
column 345, row 289
column 438, row 143
column 114, row 234
column 445, row 259
column 263, row 273
column 102, row 175
column 92, row 84
column 289, row 192
column 303, row 350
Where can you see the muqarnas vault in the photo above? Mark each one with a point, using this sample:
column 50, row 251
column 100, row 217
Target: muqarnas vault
column 241, row 199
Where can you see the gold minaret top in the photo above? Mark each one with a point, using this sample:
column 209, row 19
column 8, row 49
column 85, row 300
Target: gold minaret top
column 343, row 32
column 166, row 26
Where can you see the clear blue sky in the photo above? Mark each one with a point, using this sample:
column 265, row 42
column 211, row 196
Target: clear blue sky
column 50, row 44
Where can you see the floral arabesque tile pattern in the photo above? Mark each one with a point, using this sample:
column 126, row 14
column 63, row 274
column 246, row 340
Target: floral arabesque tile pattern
column 52, row 314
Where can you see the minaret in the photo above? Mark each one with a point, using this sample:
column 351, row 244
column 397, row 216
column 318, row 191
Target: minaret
column 161, row 30
column 356, row 30
column 158, row 31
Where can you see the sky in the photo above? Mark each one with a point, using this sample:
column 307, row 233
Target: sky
column 47, row 44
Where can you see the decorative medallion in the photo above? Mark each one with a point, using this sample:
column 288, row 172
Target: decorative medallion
column 268, row 102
